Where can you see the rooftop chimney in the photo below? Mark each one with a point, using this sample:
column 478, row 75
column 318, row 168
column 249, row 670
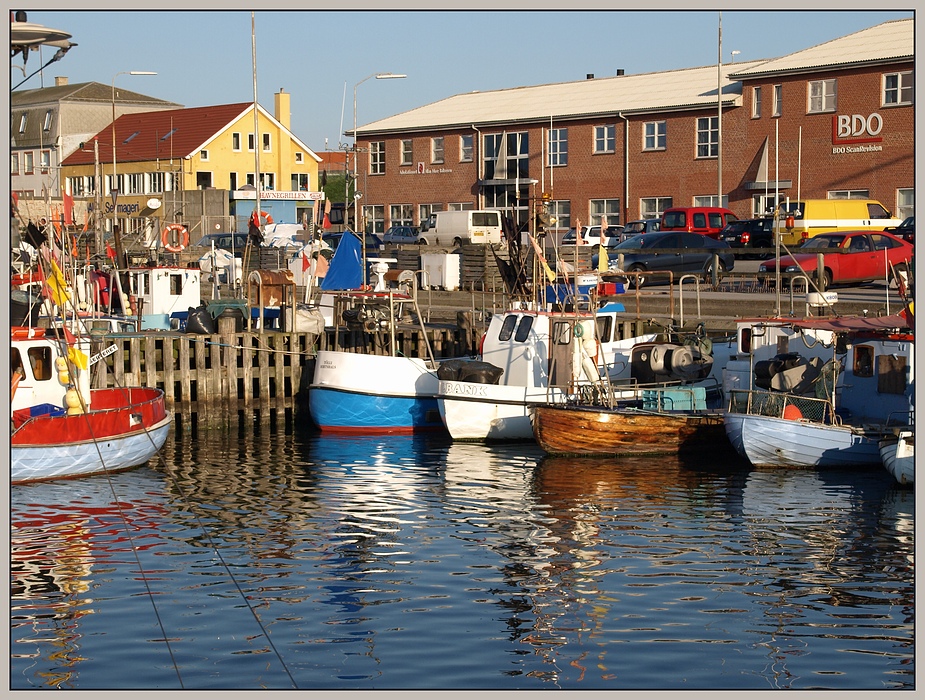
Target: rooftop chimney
column 60, row 80
column 281, row 107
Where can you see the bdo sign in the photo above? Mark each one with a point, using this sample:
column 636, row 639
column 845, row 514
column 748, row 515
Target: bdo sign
column 856, row 128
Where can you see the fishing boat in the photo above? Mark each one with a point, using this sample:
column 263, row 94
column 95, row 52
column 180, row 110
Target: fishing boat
column 669, row 421
column 898, row 454
column 809, row 413
column 60, row 426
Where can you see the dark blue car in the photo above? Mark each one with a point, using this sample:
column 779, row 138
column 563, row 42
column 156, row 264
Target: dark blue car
column 678, row 252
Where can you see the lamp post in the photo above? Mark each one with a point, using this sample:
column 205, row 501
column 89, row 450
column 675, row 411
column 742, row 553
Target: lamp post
column 116, row 234
column 356, row 157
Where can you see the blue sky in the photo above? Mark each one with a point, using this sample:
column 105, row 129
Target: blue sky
column 204, row 58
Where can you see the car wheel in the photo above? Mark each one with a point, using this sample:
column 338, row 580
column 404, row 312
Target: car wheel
column 422, row 242
column 708, row 272
column 826, row 280
column 637, row 280
column 457, row 242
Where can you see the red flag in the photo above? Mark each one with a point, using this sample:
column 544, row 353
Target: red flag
column 110, row 253
column 305, row 262
column 68, row 209
column 326, row 223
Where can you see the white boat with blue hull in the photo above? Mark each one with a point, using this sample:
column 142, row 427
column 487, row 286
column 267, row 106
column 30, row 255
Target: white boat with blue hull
column 898, row 454
column 832, row 413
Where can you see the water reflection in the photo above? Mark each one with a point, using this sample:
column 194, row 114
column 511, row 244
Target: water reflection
column 280, row 558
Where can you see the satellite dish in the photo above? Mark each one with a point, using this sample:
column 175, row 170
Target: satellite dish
column 154, row 203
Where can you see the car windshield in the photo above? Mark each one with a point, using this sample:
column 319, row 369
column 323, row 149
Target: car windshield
column 822, row 242
column 635, row 227
column 637, row 241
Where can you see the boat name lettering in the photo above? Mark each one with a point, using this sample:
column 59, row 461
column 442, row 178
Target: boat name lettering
column 103, row 353
column 464, row 389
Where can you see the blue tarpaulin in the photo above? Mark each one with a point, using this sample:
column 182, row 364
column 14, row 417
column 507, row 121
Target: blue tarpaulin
column 346, row 270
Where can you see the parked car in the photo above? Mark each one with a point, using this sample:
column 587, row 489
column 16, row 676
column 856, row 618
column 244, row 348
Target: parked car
column 906, row 230
column 855, row 256
column 591, row 235
column 373, row 242
column 402, row 234
column 678, row 252
column 708, row 221
column 749, row 233
column 232, row 242
column 639, row 226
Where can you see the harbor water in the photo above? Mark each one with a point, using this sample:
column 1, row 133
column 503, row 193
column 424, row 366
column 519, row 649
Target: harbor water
column 273, row 557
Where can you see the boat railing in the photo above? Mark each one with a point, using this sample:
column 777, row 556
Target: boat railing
column 777, row 404
column 696, row 281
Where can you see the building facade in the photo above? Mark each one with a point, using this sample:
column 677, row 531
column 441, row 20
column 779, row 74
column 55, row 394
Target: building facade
column 835, row 120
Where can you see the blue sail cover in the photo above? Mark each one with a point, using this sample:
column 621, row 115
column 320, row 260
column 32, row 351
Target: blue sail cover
column 346, row 270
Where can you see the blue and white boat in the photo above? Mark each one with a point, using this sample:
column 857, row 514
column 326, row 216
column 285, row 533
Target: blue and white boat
column 898, row 454
column 827, row 412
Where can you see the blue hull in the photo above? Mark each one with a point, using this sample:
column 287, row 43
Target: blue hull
column 335, row 410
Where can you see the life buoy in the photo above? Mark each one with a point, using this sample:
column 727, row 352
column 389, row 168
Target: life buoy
column 264, row 218
column 182, row 238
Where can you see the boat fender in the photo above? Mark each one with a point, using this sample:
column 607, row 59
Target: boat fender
column 64, row 377
column 72, row 400
column 791, row 412
column 14, row 384
column 590, row 369
column 167, row 238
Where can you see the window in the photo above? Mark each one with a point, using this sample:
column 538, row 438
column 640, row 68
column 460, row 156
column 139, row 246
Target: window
column 22, row 124
column 465, row 148
column 654, row 136
column 609, row 208
column 76, row 186
column 863, row 361
column 762, row 205
column 134, row 183
column 821, row 96
column 203, row 155
column 905, row 202
column 401, row 214
column 652, row 207
column 406, row 152
column 44, row 161
column 558, row 147
column 28, row 163
column 46, row 125
column 506, row 157
column 267, row 181
column 377, row 158
column 436, row 149
column 265, row 141
column 299, row 157
column 560, row 214
column 711, row 200
column 203, row 180
column 756, row 102
column 236, row 141
column 848, row 194
column 898, row 88
column 605, row 138
column 157, row 183
column 707, row 137
column 250, row 142
column 374, row 218
column 14, row 164
column 299, row 182
column 425, row 210
column 232, row 181
column 778, row 100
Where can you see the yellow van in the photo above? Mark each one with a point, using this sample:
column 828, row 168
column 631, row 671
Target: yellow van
column 801, row 220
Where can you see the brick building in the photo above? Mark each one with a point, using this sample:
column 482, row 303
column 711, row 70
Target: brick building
column 834, row 120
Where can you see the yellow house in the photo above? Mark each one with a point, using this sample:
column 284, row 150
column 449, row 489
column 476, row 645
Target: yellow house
column 196, row 167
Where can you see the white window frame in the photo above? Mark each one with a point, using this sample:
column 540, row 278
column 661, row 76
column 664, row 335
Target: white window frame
column 28, row 163
column 756, row 102
column 905, row 202
column 605, row 138
column 848, row 194
column 558, row 147
column 266, row 141
column 436, row 150
column 709, row 200
column 14, row 164
column 251, row 142
column 134, row 183
column 204, row 155
column 376, row 157
column 905, row 84
column 407, row 151
column 45, row 161
column 22, row 124
column 156, row 182
column 655, row 136
column 707, row 138
column 466, row 148
column 609, row 207
column 778, row 100
column 825, row 98
column 374, row 214
column 46, row 126
column 299, row 157
column 560, row 214
column 401, row 215
column 236, row 141
column 652, row 207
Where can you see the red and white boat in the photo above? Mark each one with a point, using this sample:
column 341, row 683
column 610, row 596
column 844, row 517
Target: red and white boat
column 60, row 427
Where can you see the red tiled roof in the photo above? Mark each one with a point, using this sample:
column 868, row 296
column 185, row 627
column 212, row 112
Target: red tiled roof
column 164, row 134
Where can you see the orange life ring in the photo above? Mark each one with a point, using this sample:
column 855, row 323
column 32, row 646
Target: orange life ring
column 265, row 218
column 182, row 238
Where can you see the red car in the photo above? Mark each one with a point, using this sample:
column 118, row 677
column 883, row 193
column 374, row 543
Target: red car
column 852, row 256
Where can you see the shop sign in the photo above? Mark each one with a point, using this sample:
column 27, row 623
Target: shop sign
column 856, row 128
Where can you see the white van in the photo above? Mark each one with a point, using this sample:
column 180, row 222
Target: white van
column 467, row 226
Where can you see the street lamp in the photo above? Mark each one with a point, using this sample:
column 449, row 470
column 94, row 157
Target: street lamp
column 356, row 157
column 117, row 237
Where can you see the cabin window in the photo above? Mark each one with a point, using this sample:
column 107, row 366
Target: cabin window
column 507, row 328
column 891, row 374
column 863, row 361
column 40, row 359
column 176, row 285
column 523, row 329
column 604, row 328
column 16, row 362
column 562, row 333
column 745, row 340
